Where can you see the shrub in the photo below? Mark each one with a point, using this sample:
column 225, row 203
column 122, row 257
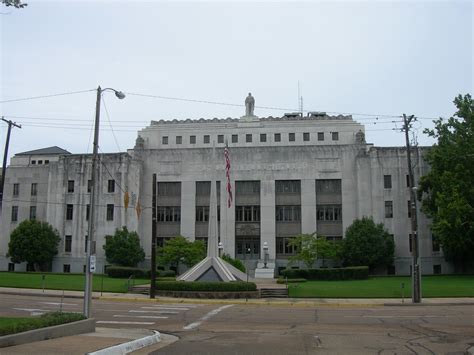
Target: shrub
column 206, row 286
column 329, row 274
column 125, row 272
column 166, row 273
column 123, row 248
column 234, row 262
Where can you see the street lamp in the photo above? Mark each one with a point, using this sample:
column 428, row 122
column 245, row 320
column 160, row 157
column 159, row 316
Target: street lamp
column 220, row 246
column 90, row 254
column 265, row 254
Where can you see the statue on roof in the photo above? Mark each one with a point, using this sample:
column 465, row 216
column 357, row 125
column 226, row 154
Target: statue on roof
column 249, row 105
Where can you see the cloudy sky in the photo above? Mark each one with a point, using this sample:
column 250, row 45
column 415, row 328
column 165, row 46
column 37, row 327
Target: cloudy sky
column 372, row 59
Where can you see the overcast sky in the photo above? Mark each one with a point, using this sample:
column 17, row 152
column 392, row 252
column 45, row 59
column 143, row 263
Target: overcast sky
column 367, row 58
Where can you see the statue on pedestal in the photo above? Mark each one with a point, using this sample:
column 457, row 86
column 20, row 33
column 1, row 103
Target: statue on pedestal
column 249, row 105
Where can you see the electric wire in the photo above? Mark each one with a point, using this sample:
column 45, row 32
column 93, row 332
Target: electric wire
column 45, row 96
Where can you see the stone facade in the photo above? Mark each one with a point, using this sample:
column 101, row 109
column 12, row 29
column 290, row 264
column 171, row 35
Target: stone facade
column 289, row 175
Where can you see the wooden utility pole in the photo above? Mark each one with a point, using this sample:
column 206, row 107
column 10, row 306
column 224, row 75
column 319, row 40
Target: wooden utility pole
column 153, row 240
column 5, row 156
column 415, row 274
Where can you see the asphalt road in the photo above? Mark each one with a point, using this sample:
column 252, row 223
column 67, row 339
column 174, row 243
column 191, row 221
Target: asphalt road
column 261, row 329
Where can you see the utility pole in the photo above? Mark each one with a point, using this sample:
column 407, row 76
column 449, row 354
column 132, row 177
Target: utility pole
column 5, row 156
column 415, row 274
column 153, row 240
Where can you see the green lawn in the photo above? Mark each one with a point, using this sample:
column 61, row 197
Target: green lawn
column 385, row 287
column 72, row 282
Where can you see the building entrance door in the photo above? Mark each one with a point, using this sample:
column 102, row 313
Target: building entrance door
column 247, row 248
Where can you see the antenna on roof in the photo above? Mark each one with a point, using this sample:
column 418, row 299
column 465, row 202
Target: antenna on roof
column 300, row 100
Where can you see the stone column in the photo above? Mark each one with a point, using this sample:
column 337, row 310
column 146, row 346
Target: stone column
column 267, row 217
column 188, row 209
column 308, row 206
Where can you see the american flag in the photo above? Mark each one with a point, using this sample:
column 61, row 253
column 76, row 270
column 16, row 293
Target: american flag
column 227, row 174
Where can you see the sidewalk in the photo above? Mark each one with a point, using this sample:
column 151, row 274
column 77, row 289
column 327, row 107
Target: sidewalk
column 107, row 337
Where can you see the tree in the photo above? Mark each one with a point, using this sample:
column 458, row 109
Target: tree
column 123, row 248
column 16, row 3
column 180, row 250
column 34, row 242
column 447, row 191
column 310, row 247
column 367, row 244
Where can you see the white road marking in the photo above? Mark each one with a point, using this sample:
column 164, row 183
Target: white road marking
column 117, row 322
column 59, row 303
column 421, row 316
column 160, row 312
column 206, row 317
column 170, row 308
column 30, row 309
column 126, row 316
column 37, row 313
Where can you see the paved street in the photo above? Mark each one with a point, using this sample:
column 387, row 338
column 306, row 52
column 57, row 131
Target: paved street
column 263, row 329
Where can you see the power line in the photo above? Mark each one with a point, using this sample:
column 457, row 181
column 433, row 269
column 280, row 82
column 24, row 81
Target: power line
column 110, row 123
column 45, row 96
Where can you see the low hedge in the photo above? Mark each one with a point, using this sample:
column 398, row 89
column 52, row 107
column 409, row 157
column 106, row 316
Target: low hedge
column 45, row 320
column 125, row 272
column 165, row 273
column 206, row 286
column 329, row 274
column 281, row 280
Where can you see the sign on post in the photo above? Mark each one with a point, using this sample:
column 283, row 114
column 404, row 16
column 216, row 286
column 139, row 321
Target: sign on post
column 92, row 263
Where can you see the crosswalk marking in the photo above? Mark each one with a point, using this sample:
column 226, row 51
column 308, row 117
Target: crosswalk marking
column 170, row 308
column 127, row 316
column 159, row 312
column 118, row 322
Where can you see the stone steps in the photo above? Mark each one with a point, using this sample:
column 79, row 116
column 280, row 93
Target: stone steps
column 274, row 293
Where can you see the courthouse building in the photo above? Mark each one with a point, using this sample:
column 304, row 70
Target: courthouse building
column 289, row 175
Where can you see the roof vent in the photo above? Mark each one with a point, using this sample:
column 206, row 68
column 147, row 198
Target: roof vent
column 293, row 114
column 316, row 114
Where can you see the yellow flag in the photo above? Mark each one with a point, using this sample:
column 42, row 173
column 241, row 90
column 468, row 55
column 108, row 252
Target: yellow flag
column 138, row 208
column 126, row 199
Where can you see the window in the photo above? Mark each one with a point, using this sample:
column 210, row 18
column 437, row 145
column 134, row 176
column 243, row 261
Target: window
column 11, row 267
column 335, row 136
column 387, row 181
column 89, row 186
column 179, row 139
column 169, row 214
column 235, row 138
column 32, row 212
column 263, row 137
column 320, row 136
column 69, row 212
column 33, row 162
column 248, row 138
column 164, row 140
column 46, row 161
column 192, row 139
column 288, row 186
column 111, row 186
column 288, row 213
column 291, row 137
column 202, row 213
column 391, row 270
column 435, row 243
column 306, row 137
column 88, row 211
column 277, row 137
column 67, row 243
column 14, row 213
column 409, row 208
column 411, row 240
column 220, row 138
column 247, row 213
column 388, row 209
column 408, row 180
column 329, row 213
column 247, row 187
column 329, row 186
column 437, row 269
column 283, row 246
column 207, row 138
column 34, row 189
column 66, row 268
column 40, row 162
column 86, row 238
column 169, row 189
column 16, row 190
column 110, row 212
column 70, row 186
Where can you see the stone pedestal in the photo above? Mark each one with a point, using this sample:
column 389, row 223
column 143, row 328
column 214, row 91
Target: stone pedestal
column 265, row 273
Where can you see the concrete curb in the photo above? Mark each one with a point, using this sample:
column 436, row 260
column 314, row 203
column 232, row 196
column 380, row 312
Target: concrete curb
column 56, row 331
column 130, row 346
column 41, row 294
